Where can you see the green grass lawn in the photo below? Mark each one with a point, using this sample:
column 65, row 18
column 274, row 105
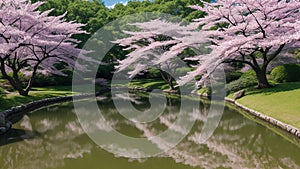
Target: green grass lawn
column 150, row 83
column 281, row 102
column 14, row 99
column 146, row 83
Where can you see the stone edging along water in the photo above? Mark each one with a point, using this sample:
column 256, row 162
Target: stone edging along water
column 288, row 128
column 285, row 127
column 14, row 114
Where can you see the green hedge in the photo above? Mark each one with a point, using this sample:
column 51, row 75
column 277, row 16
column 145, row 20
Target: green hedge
column 286, row 73
column 42, row 80
column 248, row 79
column 232, row 76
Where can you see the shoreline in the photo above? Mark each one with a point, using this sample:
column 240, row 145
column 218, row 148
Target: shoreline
column 14, row 114
column 270, row 120
column 10, row 116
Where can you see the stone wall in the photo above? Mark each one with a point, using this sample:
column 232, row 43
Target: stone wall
column 291, row 129
column 14, row 114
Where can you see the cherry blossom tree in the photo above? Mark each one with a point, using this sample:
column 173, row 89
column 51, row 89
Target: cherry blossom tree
column 254, row 29
column 32, row 41
column 157, row 45
column 252, row 32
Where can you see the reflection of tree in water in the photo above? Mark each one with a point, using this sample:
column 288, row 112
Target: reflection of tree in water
column 236, row 143
column 55, row 143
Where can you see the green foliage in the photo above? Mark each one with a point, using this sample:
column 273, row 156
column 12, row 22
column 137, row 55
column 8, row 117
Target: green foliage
column 152, row 74
column 248, row 79
column 205, row 90
column 2, row 93
column 42, row 80
column 23, row 79
column 297, row 54
column 21, row 76
column 231, row 76
column 286, row 73
column 64, row 80
column 105, row 71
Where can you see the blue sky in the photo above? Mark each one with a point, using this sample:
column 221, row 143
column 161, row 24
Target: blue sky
column 112, row 2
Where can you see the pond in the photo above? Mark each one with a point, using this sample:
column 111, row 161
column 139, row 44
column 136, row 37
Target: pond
column 52, row 137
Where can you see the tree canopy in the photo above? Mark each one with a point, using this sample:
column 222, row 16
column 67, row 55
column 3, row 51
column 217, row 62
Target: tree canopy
column 238, row 31
column 31, row 40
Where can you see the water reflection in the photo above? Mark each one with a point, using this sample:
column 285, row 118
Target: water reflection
column 46, row 141
column 16, row 135
column 53, row 138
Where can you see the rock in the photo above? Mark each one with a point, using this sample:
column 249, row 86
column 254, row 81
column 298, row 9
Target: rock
column 2, row 120
column 239, row 94
column 4, row 129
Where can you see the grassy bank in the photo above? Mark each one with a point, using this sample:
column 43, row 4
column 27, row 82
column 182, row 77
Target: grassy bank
column 281, row 102
column 144, row 83
column 14, row 99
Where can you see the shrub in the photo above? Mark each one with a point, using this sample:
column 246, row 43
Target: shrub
column 105, row 71
column 286, row 73
column 152, row 74
column 64, row 80
column 42, row 80
column 205, row 90
column 2, row 93
column 232, row 76
column 248, row 79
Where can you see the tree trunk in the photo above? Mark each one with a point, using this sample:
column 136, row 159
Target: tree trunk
column 168, row 79
column 14, row 81
column 262, row 79
column 16, row 84
column 171, row 85
column 23, row 92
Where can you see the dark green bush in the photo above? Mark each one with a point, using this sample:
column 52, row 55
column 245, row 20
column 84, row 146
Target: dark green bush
column 64, row 80
column 2, row 92
column 286, row 73
column 42, row 80
column 248, row 79
column 105, row 71
column 152, row 74
column 231, row 76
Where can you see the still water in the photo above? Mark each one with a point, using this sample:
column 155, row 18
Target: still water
column 52, row 137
